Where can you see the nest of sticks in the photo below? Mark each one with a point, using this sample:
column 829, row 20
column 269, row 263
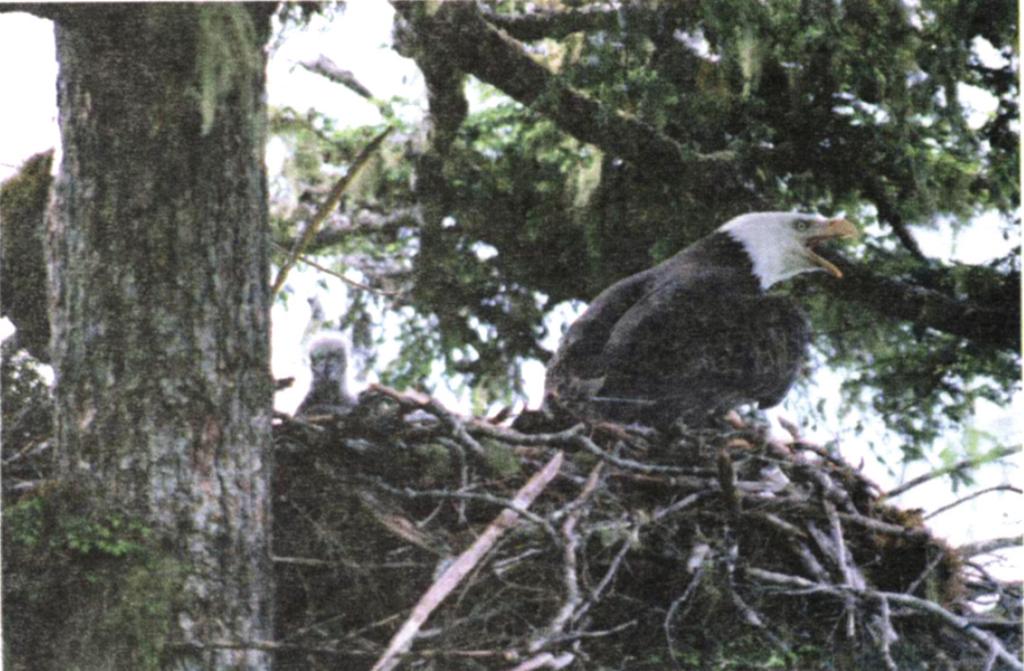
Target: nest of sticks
column 406, row 535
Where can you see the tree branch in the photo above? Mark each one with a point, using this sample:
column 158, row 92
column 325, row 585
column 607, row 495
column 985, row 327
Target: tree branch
column 461, row 567
column 971, row 496
column 325, row 67
column 458, row 30
column 991, row 455
column 986, row 325
column 325, row 209
column 990, row 545
column 923, row 605
column 556, row 25
column 875, row 190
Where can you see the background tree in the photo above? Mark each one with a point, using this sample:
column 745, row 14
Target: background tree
column 612, row 137
column 154, row 546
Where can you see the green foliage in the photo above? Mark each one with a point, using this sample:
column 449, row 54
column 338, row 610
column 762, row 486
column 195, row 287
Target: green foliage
column 851, row 107
column 58, row 553
column 27, row 408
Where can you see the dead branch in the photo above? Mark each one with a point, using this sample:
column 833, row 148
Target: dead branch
column 465, row 562
column 570, row 578
column 886, row 634
column 991, row 545
column 328, row 206
column 970, row 462
column 959, row 623
column 545, row 660
column 971, row 496
column 326, row 67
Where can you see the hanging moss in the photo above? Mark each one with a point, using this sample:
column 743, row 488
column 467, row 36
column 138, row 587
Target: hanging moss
column 227, row 51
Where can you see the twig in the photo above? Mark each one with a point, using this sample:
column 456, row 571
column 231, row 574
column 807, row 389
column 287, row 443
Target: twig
column 674, row 606
column 352, row 283
column 932, row 563
column 991, row 455
column 990, row 661
column 682, row 504
column 851, row 575
column 434, row 407
column 629, row 464
column 570, row 577
column 593, row 633
column 513, row 436
column 829, row 488
column 991, row 545
column 325, row 67
column 271, row 646
column 613, row 569
column 545, row 660
column 465, row 562
column 887, row 635
column 32, row 449
column 727, row 482
column 923, row 605
column 867, row 482
column 965, row 499
column 456, row 448
column 328, row 206
column 509, row 504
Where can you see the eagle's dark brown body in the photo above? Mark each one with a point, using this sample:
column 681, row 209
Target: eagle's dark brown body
column 686, row 340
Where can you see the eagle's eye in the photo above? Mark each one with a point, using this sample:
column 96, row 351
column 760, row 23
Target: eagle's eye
column 802, row 225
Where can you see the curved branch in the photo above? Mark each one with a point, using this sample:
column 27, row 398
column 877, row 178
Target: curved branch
column 457, row 30
column 875, row 190
column 328, row 206
column 971, row 462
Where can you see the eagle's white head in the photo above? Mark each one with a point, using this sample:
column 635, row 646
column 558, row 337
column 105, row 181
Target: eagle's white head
column 781, row 244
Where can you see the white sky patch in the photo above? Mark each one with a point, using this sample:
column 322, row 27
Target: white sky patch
column 980, row 242
column 358, row 40
column 697, row 43
column 979, row 105
column 28, row 80
column 484, row 251
column 987, row 54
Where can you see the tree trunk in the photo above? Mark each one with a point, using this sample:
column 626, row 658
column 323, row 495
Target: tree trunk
column 158, row 253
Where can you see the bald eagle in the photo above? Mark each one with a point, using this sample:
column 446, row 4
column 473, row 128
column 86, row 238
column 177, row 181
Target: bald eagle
column 696, row 335
column 328, row 393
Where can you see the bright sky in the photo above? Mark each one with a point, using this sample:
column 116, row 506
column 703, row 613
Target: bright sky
column 359, row 40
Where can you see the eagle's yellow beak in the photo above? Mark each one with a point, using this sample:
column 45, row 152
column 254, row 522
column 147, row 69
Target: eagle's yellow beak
column 825, row 231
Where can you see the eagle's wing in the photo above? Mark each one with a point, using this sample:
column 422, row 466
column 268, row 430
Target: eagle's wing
column 578, row 367
column 692, row 347
column 780, row 355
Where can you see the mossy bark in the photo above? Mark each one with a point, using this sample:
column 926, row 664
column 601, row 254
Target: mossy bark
column 159, row 259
